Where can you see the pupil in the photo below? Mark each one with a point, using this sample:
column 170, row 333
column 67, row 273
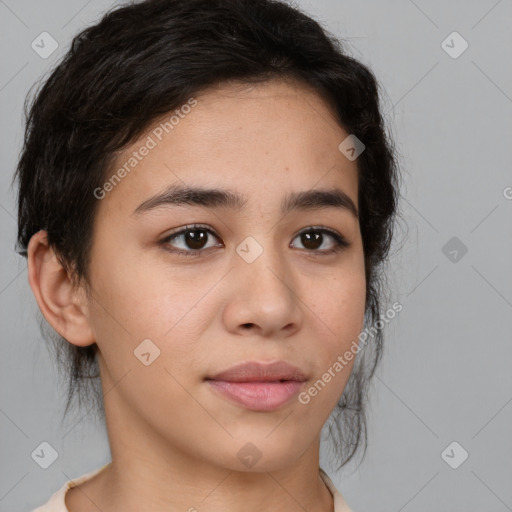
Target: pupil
column 195, row 238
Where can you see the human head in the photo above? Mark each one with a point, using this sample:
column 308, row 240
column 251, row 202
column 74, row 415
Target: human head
column 144, row 61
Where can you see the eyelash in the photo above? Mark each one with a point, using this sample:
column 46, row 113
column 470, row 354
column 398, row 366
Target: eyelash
column 340, row 242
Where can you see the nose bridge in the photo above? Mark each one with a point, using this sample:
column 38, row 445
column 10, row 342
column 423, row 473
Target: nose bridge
column 264, row 290
column 260, row 262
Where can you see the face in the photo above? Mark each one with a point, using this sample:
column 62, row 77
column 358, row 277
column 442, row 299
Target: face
column 183, row 290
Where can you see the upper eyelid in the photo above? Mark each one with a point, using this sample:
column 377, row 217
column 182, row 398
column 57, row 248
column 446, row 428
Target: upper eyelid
column 183, row 229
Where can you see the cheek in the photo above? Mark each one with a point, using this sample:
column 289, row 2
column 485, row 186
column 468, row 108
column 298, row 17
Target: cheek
column 135, row 302
column 338, row 321
column 340, row 305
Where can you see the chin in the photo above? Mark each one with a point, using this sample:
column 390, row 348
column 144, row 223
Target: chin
column 260, row 453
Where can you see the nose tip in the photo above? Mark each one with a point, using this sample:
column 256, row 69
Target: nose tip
column 262, row 298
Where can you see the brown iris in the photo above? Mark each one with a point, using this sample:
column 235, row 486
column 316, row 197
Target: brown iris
column 195, row 238
column 310, row 240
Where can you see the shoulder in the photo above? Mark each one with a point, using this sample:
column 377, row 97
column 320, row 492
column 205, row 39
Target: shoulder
column 340, row 505
column 57, row 501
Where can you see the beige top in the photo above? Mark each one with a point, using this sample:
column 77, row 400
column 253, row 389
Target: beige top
column 57, row 501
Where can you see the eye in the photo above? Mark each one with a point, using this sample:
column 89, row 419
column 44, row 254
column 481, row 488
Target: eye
column 315, row 237
column 191, row 240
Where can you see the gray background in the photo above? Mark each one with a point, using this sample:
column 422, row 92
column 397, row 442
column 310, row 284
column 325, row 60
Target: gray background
column 446, row 373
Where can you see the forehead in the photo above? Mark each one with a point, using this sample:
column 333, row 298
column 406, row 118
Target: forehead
column 257, row 139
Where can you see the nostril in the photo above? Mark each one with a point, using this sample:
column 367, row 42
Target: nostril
column 247, row 325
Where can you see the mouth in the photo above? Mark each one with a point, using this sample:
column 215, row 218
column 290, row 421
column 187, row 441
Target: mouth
column 259, row 386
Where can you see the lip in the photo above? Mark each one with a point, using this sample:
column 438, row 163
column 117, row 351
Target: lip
column 254, row 371
column 259, row 386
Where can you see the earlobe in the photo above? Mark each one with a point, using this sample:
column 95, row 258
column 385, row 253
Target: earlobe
column 62, row 306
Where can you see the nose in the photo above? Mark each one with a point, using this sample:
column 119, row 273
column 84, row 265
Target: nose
column 263, row 299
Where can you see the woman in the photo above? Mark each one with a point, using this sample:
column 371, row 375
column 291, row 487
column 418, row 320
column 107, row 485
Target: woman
column 206, row 197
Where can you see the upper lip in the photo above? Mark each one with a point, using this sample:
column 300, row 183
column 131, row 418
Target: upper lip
column 255, row 371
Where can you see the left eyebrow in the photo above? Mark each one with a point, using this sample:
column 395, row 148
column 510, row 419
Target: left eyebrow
column 179, row 195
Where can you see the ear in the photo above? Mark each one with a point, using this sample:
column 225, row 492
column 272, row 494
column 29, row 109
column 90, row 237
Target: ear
column 64, row 308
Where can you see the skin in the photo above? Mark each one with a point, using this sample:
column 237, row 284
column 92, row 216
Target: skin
column 174, row 441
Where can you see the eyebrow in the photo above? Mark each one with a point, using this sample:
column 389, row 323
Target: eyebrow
column 179, row 195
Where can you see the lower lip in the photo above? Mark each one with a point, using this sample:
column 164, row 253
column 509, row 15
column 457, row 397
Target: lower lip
column 258, row 396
